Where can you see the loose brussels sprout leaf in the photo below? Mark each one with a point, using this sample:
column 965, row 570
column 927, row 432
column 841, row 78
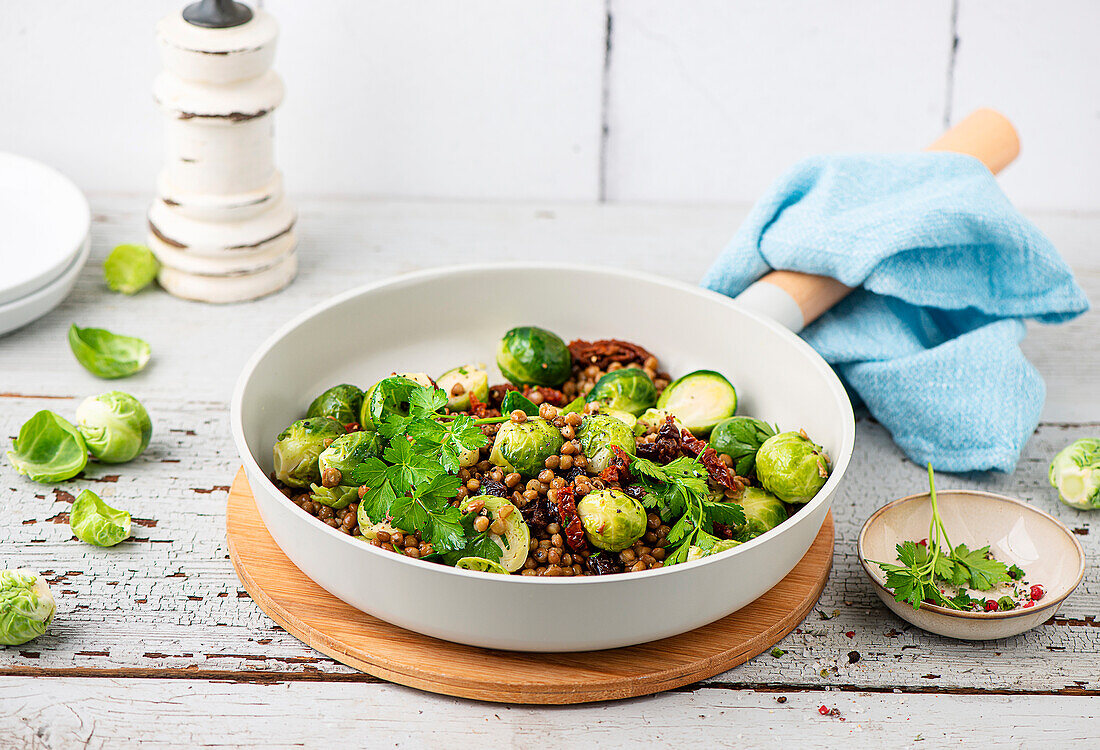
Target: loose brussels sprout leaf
column 115, row 426
column 336, row 498
column 108, row 355
column 95, row 522
column 348, row 451
column 481, row 564
column 48, row 449
column 623, row 416
column 298, row 448
column 700, row 400
column 515, row 543
column 341, row 402
column 574, row 406
column 390, row 396
column 763, row 512
column 792, row 467
column 130, row 268
column 516, row 401
column 696, row 553
column 460, row 382
column 612, row 519
column 629, row 390
column 598, row 433
column 740, row 438
column 26, row 606
column 534, row 356
column 525, row 446
column 1075, row 472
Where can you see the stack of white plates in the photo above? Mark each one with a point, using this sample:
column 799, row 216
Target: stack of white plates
column 44, row 242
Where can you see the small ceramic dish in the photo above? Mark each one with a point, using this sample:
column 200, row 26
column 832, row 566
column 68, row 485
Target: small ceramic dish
column 1017, row 533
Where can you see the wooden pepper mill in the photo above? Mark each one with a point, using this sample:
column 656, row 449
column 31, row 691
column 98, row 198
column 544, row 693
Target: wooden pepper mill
column 220, row 225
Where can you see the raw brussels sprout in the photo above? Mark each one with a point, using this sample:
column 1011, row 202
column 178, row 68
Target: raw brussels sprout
column 341, row 402
column 763, row 512
column 48, row 449
column 1075, row 472
column 348, row 451
column 26, row 606
column 525, row 446
column 700, row 400
column 95, row 522
column 629, row 390
column 472, row 378
column 792, row 467
column 516, row 401
column 390, row 396
column 130, row 268
column 653, row 419
column 740, row 438
column 298, row 448
column 515, row 543
column 612, row 519
column 108, row 355
column 336, row 498
column 534, row 356
column 480, row 563
column 598, row 433
column 115, row 426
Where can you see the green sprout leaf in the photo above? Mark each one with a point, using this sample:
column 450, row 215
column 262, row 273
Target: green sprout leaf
column 95, row 522
column 130, row 268
column 48, row 449
column 108, row 355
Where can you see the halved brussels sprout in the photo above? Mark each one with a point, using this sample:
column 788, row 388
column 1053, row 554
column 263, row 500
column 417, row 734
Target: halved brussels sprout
column 115, row 426
column 1075, row 472
column 341, row 402
column 695, row 553
column 653, row 419
column 598, row 433
column 763, row 512
column 390, row 396
column 298, row 448
column 95, row 522
column 740, row 438
column 516, row 540
column 26, row 606
column 348, row 451
column 481, row 564
column 792, row 467
column 700, row 400
column 534, row 356
column 629, row 390
column 369, row 529
column 336, row 498
column 471, row 378
column 48, row 449
column 612, row 519
column 525, row 446
column 516, row 401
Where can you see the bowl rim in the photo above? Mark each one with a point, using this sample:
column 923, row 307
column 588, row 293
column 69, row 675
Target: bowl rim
column 937, row 609
column 252, row 468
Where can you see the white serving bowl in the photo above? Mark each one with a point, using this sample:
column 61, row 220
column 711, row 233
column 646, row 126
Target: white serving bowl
column 433, row 320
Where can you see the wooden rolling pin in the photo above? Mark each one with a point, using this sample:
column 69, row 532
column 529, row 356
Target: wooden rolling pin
column 984, row 134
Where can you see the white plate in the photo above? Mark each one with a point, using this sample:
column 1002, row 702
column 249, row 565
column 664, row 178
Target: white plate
column 44, row 219
column 18, row 313
column 433, row 320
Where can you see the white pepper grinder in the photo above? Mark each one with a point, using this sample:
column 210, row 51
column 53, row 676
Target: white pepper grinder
column 220, row 225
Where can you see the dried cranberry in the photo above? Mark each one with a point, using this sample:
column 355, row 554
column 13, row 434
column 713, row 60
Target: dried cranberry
column 823, row 710
column 493, row 487
column 1037, row 592
column 1029, row 604
column 539, row 513
column 572, row 474
column 990, row 605
column 604, row 564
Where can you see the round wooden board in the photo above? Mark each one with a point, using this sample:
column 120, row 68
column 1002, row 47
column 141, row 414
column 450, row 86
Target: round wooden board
column 357, row 639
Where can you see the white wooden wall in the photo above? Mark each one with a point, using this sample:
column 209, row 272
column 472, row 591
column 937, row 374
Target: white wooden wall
column 621, row 100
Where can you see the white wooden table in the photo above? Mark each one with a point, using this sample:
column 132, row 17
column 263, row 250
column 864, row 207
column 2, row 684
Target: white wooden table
column 155, row 639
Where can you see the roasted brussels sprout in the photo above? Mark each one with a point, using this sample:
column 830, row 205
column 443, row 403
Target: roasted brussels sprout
column 740, row 438
column 612, row 519
column 1075, row 472
column 700, row 400
column 26, row 606
column 481, row 564
column 653, row 419
column 336, row 498
column 792, row 467
column 298, row 448
column 348, row 451
column 460, row 382
column 525, row 446
column 534, row 356
column 598, row 433
column 515, row 542
column 48, row 449
column 623, row 416
column 95, row 522
column 695, row 553
column 115, row 426
column 341, row 402
column 763, row 512
column 629, row 390
column 390, row 396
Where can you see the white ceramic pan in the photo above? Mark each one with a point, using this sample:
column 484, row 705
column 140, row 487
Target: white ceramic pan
column 426, row 322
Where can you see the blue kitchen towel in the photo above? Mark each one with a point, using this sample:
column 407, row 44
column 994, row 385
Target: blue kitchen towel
column 948, row 269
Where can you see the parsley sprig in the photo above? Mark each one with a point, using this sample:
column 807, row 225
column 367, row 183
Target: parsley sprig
column 924, row 568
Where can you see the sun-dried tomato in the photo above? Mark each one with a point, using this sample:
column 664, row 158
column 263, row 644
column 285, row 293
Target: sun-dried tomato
column 617, row 470
column 719, row 472
column 605, row 351
column 497, row 393
column 667, row 445
column 477, row 408
column 550, row 396
column 570, row 519
column 352, row 427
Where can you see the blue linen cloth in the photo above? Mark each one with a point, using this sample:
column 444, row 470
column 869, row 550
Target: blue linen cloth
column 948, row 271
